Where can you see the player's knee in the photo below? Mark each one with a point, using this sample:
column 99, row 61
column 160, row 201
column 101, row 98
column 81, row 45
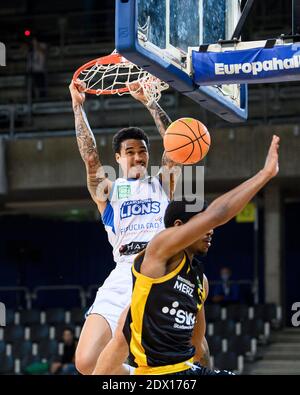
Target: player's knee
column 84, row 363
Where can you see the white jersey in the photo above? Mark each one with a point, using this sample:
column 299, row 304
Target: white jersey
column 134, row 213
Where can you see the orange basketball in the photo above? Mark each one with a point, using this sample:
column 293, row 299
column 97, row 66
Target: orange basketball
column 187, row 141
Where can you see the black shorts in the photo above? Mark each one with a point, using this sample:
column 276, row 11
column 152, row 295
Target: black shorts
column 198, row 370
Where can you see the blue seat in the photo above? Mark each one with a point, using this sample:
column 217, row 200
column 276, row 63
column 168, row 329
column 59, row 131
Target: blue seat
column 21, row 348
column 2, row 347
column 267, row 312
column 215, row 344
column 78, row 316
column 224, row 328
column 213, row 312
column 237, row 312
column 55, row 316
column 240, row 344
column 39, row 332
column 6, row 364
column 48, row 349
column 254, row 328
column 10, row 317
column 29, row 317
column 13, row 333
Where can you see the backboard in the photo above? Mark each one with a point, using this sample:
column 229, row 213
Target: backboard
column 159, row 35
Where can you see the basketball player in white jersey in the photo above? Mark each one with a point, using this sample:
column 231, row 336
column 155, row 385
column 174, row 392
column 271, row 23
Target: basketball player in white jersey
column 132, row 210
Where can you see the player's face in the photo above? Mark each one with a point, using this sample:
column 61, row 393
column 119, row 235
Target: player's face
column 133, row 158
column 201, row 246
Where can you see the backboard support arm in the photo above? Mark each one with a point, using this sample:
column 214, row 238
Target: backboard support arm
column 296, row 17
column 239, row 27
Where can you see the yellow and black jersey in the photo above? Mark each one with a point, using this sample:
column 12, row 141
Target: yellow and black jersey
column 162, row 316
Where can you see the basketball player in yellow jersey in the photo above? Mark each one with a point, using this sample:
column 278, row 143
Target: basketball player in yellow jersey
column 166, row 307
column 132, row 208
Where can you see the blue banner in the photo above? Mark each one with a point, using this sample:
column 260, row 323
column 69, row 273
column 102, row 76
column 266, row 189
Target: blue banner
column 250, row 66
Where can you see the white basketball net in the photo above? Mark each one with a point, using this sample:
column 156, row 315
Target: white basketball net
column 111, row 77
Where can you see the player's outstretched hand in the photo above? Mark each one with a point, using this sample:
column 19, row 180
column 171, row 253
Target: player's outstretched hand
column 136, row 90
column 271, row 167
column 77, row 92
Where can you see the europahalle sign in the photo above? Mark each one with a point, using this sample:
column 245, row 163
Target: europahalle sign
column 255, row 65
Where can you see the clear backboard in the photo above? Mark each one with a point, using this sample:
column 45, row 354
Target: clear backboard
column 159, row 35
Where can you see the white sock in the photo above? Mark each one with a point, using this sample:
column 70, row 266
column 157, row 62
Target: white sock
column 130, row 369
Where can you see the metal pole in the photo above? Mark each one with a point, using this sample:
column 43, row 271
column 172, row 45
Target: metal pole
column 29, row 98
column 293, row 18
column 12, row 114
column 256, row 256
column 3, row 172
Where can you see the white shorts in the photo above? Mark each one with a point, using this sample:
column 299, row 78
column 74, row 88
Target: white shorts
column 114, row 295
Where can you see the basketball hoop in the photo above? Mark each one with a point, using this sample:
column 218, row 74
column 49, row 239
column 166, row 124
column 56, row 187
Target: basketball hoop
column 113, row 74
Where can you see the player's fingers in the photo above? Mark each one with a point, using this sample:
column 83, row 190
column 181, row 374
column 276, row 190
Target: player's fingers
column 134, row 85
column 80, row 84
column 274, row 142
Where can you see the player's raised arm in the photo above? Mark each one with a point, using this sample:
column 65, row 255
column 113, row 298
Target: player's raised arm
column 98, row 185
column 176, row 238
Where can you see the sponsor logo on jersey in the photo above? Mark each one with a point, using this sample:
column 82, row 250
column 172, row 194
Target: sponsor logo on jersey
column 184, row 286
column 183, row 319
column 201, row 290
column 124, row 191
column 139, row 207
column 138, row 228
column 132, row 248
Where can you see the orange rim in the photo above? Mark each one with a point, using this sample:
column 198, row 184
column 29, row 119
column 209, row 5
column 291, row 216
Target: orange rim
column 114, row 58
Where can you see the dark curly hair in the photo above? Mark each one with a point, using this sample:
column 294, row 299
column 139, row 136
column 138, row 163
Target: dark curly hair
column 128, row 133
column 177, row 210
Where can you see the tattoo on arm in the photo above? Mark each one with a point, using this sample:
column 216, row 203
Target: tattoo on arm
column 85, row 138
column 161, row 119
column 168, row 177
column 88, row 151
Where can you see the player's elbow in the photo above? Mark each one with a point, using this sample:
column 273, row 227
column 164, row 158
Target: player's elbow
column 92, row 162
column 102, row 191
